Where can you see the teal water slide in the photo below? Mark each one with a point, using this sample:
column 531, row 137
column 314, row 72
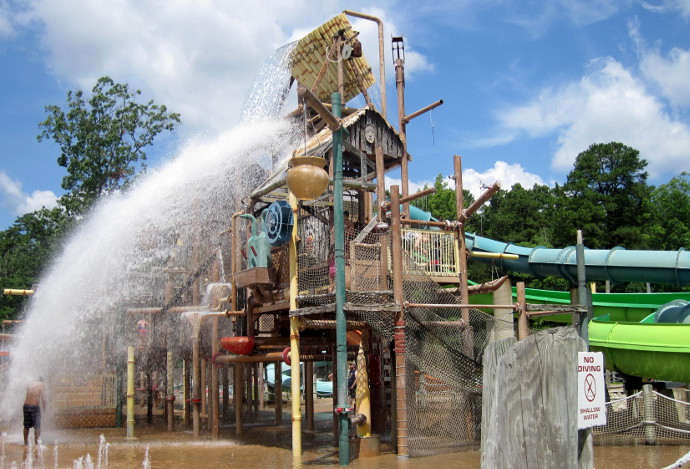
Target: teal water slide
column 627, row 327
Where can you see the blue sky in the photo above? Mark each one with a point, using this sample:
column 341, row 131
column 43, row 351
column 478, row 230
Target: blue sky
column 526, row 85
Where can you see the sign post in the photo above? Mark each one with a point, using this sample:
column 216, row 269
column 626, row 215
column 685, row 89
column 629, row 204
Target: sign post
column 591, row 399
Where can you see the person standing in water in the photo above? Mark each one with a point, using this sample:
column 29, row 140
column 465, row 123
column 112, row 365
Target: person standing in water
column 35, row 399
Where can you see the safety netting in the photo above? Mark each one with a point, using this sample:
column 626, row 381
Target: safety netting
column 443, row 342
column 646, row 417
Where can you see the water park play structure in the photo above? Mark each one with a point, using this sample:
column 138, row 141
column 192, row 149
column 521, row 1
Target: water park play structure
column 255, row 265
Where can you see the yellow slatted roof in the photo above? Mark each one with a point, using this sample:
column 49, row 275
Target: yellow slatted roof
column 311, row 53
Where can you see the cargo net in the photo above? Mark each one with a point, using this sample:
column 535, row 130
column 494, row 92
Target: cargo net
column 646, row 418
column 367, row 279
column 444, row 366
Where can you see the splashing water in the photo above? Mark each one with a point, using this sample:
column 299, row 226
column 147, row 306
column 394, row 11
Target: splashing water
column 77, row 322
column 146, row 464
column 268, row 93
column 101, row 452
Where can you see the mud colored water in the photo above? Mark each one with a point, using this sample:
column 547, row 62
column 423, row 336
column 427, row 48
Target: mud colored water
column 182, row 450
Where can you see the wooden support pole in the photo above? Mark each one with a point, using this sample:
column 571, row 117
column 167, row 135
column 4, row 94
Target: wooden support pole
column 204, row 388
column 278, row 389
column 186, row 388
column 215, row 417
column 481, row 200
column 226, row 393
column 309, row 394
column 238, row 392
column 170, row 392
column 399, row 328
column 196, row 379
column 523, row 325
column 462, row 250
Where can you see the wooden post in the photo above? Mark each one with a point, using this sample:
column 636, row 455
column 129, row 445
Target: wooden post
column 462, row 250
column 196, row 378
column 399, row 328
column 309, row 394
column 238, row 396
column 186, row 382
column 278, row 389
column 523, row 325
column 262, row 395
column 226, row 392
column 170, row 397
column 204, row 388
column 649, row 421
column 215, row 421
column 400, row 86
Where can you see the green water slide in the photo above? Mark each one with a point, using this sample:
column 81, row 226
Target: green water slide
column 624, row 327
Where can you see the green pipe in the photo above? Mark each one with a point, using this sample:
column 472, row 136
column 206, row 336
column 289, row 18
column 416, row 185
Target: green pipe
column 340, row 325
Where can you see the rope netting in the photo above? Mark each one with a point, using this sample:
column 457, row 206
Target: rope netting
column 645, row 417
column 444, row 345
column 444, row 348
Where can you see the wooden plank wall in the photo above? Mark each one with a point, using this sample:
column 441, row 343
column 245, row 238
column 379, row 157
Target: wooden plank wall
column 530, row 403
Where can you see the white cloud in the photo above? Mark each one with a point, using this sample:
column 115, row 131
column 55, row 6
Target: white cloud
column 506, row 174
column 18, row 201
column 5, row 23
column 665, row 6
column 476, row 182
column 668, row 73
column 608, row 104
column 198, row 58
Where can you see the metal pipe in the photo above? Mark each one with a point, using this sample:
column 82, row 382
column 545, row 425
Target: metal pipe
column 341, row 330
column 494, row 255
column 130, row 393
column 382, row 59
column 428, row 108
column 264, row 358
column 481, row 200
column 16, row 292
column 294, row 342
column 458, row 306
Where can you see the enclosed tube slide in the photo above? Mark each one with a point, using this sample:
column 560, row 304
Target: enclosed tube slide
column 616, row 265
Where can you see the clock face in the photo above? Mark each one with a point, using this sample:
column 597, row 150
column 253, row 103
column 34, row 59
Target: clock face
column 369, row 134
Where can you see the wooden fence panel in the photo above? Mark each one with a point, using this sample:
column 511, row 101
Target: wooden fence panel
column 532, row 413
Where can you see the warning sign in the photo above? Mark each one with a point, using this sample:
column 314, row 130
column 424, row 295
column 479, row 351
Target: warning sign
column 591, row 398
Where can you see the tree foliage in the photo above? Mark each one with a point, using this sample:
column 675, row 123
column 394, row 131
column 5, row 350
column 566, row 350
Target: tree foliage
column 26, row 249
column 671, row 206
column 102, row 139
column 606, row 195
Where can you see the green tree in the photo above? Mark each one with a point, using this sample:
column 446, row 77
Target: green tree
column 441, row 204
column 520, row 216
column 607, row 196
column 671, row 204
column 102, row 139
column 25, row 250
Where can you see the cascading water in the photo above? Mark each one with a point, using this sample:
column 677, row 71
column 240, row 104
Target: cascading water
column 120, row 255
